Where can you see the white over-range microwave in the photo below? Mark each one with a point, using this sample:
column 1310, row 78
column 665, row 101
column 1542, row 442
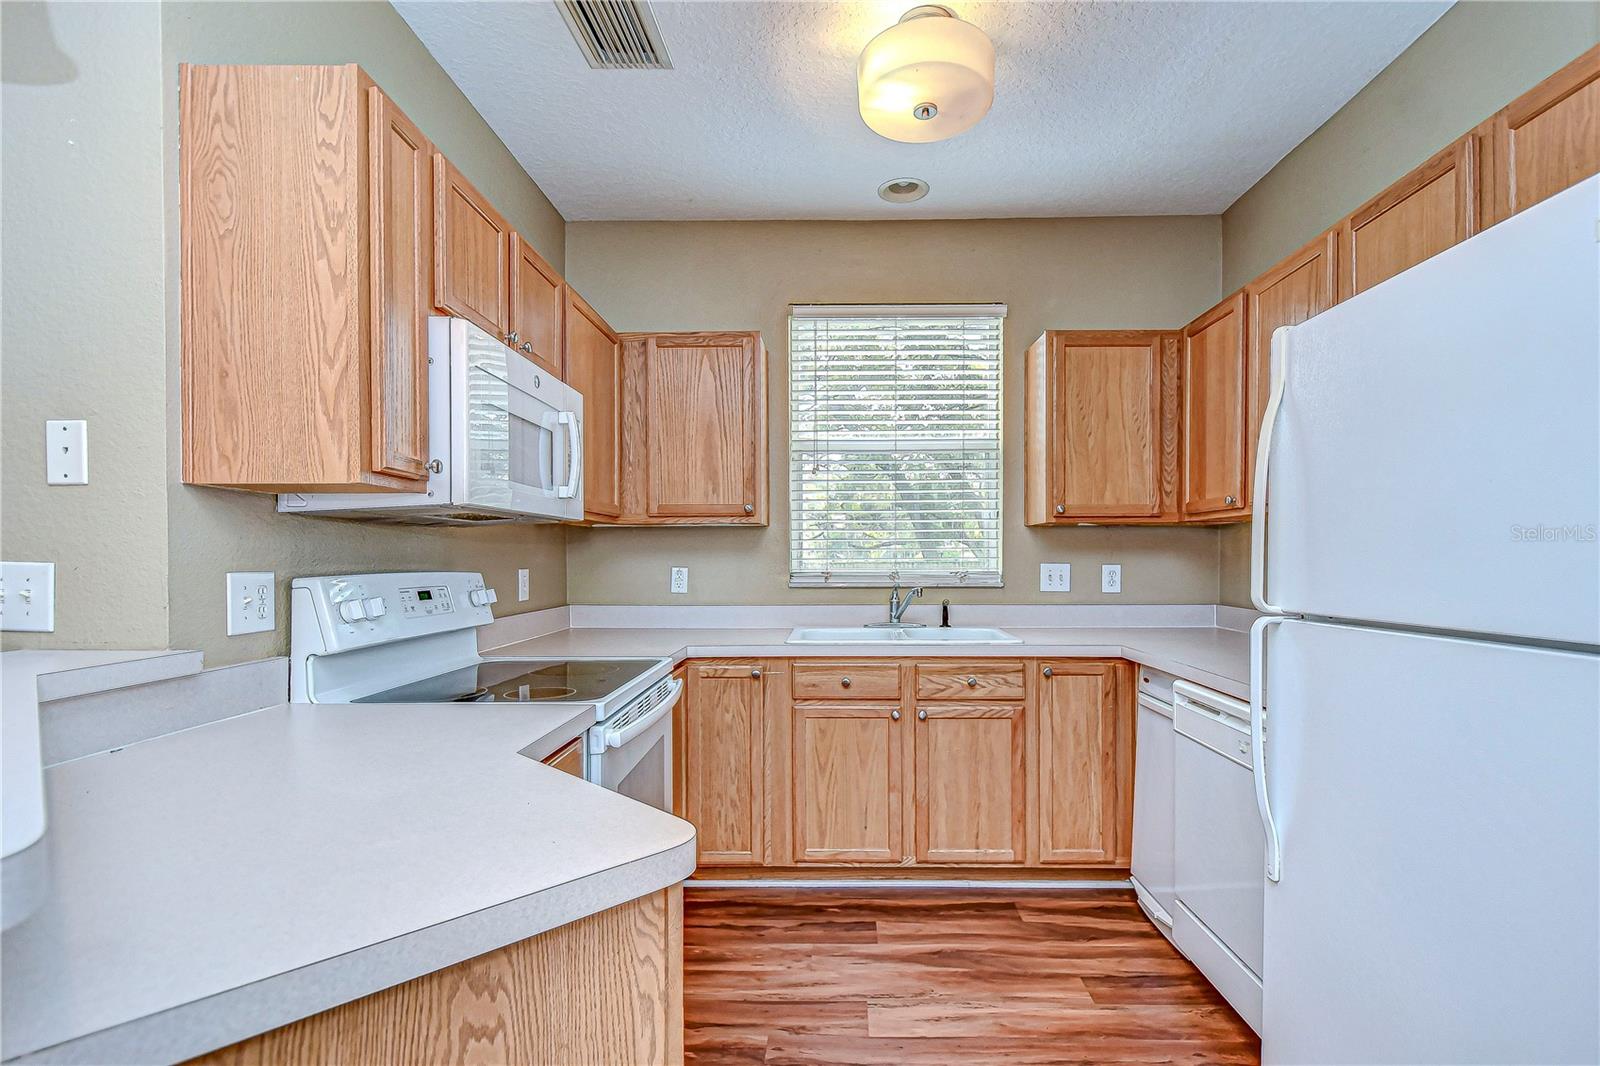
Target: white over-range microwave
column 505, row 439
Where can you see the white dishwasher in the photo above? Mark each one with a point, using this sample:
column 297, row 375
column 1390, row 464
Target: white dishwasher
column 1219, row 850
column 1152, row 875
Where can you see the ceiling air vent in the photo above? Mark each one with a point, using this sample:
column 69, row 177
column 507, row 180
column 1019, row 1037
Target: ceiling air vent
column 616, row 34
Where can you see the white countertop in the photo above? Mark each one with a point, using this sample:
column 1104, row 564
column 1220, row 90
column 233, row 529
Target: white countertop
column 1207, row 655
column 214, row 883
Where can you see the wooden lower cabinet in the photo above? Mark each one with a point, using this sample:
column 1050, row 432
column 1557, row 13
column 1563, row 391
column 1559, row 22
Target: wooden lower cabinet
column 1084, row 764
column 724, row 749
column 971, row 782
column 604, row 989
column 849, row 763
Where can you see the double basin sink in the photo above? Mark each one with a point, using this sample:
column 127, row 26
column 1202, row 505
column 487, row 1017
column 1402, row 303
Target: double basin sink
column 901, row 635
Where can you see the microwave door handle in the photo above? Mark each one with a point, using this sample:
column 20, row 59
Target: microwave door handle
column 574, row 454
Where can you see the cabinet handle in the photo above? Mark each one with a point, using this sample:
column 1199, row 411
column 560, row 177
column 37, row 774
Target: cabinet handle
column 755, row 673
column 1231, row 501
column 749, row 508
column 436, row 465
column 845, row 681
column 894, row 715
column 1049, row 672
column 1061, row 508
column 527, row 346
column 972, row 682
column 511, row 337
column 922, row 716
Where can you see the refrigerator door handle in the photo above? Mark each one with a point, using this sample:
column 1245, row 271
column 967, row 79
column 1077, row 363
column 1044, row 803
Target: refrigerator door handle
column 1258, row 740
column 1269, row 422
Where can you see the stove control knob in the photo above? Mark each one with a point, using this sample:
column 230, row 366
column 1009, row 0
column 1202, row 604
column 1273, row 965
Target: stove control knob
column 482, row 597
column 375, row 607
column 352, row 610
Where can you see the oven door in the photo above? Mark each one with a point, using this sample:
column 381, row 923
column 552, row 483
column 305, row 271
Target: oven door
column 631, row 752
column 517, row 431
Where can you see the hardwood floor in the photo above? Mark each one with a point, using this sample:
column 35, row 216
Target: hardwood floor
column 911, row 977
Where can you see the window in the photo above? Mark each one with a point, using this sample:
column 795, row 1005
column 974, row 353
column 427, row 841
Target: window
column 894, row 445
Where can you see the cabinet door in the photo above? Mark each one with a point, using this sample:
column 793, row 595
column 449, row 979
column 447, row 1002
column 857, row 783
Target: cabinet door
column 724, row 766
column 400, row 201
column 848, row 782
column 1547, row 139
column 472, row 249
column 1083, row 774
column 569, row 759
column 1214, row 412
column 1286, row 295
column 970, row 782
column 537, row 302
column 1115, row 428
column 705, row 427
column 1419, row 216
column 594, row 368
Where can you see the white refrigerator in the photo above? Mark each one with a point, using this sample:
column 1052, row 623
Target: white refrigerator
column 1426, row 683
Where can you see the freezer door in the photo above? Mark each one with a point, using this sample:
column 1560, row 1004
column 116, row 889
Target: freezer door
column 1438, row 804
column 1435, row 460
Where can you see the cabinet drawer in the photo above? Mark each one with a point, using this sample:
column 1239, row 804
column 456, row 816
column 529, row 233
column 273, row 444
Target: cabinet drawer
column 1001, row 680
column 846, row 680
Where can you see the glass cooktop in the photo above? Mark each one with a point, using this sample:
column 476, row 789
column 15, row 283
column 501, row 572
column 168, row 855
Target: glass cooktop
column 521, row 681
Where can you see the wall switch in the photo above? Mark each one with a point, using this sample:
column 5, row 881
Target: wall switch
column 1111, row 577
column 680, row 579
column 1055, row 577
column 522, row 584
column 28, row 597
column 66, row 451
column 252, row 603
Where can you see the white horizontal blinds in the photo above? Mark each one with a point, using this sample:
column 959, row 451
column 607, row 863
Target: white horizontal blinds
column 894, row 446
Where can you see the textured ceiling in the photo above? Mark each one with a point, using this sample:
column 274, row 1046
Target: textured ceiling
column 1103, row 108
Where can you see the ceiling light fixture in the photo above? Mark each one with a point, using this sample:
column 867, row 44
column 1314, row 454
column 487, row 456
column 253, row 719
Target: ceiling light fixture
column 928, row 77
column 903, row 190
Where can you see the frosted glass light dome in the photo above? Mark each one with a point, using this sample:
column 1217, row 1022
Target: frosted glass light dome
column 928, row 77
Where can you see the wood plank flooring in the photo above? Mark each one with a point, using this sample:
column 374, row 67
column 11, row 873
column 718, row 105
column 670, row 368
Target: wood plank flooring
column 947, row 976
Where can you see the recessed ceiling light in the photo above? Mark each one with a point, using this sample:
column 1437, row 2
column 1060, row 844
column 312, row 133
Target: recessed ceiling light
column 903, row 190
column 928, row 77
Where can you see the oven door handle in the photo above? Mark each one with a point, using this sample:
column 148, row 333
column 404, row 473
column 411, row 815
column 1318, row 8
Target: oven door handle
column 620, row 737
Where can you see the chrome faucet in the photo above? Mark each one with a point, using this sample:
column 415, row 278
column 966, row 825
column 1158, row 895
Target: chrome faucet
column 898, row 604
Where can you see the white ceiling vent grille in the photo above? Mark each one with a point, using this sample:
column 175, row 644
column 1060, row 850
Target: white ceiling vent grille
column 616, row 34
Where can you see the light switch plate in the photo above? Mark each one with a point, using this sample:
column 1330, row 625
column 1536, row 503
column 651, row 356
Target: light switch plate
column 1055, row 577
column 1111, row 577
column 252, row 603
column 28, row 597
column 522, row 584
column 66, row 451
column 680, row 580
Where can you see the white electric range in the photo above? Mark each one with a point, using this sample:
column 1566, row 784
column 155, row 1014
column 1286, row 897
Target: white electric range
column 413, row 638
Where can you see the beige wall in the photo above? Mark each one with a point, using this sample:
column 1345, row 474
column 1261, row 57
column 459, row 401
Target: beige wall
column 1476, row 59
column 90, row 255
column 1053, row 273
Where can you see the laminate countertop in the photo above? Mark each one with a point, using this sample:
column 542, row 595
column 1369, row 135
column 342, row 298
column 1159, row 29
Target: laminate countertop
column 214, row 883
column 1207, row 655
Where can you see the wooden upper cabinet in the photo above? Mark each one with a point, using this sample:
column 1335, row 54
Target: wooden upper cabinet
column 1430, row 209
column 849, row 780
column 594, row 368
column 303, row 197
column 1101, row 427
column 1214, row 398
column 1288, row 294
column 1083, row 769
column 538, row 300
column 724, row 771
column 401, row 206
column 971, row 782
column 695, row 441
column 1546, row 140
column 472, row 252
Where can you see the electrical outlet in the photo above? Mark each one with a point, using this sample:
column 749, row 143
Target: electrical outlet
column 66, row 452
column 28, row 597
column 252, row 603
column 522, row 584
column 680, row 580
column 1111, row 577
column 1055, row 577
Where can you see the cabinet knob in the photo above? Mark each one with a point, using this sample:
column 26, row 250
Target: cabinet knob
column 527, row 346
column 922, row 716
column 511, row 337
column 972, row 682
column 1231, row 501
column 436, row 466
column 755, row 673
column 749, row 508
column 894, row 715
column 1061, row 508
column 845, row 681
column 1049, row 672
